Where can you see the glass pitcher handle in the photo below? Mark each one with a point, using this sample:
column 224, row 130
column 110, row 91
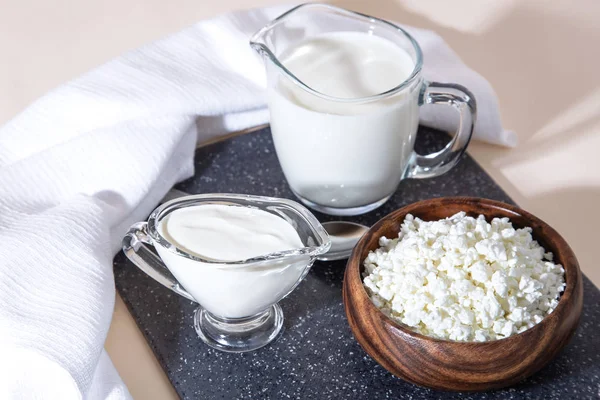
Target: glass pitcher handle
column 134, row 247
column 437, row 163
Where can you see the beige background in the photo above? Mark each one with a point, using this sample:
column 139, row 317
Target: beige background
column 541, row 56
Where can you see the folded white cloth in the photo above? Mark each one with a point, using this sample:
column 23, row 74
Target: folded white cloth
column 90, row 158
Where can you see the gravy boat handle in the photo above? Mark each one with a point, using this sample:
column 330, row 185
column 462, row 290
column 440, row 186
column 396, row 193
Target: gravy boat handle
column 135, row 248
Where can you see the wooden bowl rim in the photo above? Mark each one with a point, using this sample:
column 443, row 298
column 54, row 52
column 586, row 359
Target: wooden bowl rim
column 353, row 269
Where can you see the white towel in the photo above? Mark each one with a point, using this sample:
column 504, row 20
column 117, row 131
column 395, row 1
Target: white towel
column 90, row 158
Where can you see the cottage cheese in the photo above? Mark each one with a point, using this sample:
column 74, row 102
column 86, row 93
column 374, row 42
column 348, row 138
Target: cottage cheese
column 462, row 278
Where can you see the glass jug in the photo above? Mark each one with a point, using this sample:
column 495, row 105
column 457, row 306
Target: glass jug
column 346, row 155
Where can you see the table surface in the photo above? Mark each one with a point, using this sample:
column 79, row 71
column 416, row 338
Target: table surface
column 317, row 356
column 538, row 55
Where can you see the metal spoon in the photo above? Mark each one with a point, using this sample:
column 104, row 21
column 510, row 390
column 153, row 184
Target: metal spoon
column 344, row 236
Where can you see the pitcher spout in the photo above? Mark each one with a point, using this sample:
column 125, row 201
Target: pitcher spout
column 257, row 42
column 262, row 41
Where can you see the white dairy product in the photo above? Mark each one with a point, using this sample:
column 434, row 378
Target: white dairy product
column 228, row 233
column 463, row 278
column 231, row 233
column 340, row 154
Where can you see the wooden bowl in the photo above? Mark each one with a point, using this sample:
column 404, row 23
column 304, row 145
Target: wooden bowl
column 461, row 366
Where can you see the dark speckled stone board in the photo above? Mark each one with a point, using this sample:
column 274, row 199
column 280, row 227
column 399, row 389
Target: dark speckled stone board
column 316, row 357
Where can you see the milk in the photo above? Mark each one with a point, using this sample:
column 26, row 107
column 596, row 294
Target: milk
column 230, row 233
column 339, row 154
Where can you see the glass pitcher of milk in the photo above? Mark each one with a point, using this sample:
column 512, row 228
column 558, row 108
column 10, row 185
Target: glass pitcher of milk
column 235, row 255
column 344, row 91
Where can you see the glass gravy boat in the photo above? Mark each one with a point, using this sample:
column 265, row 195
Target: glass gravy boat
column 238, row 299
